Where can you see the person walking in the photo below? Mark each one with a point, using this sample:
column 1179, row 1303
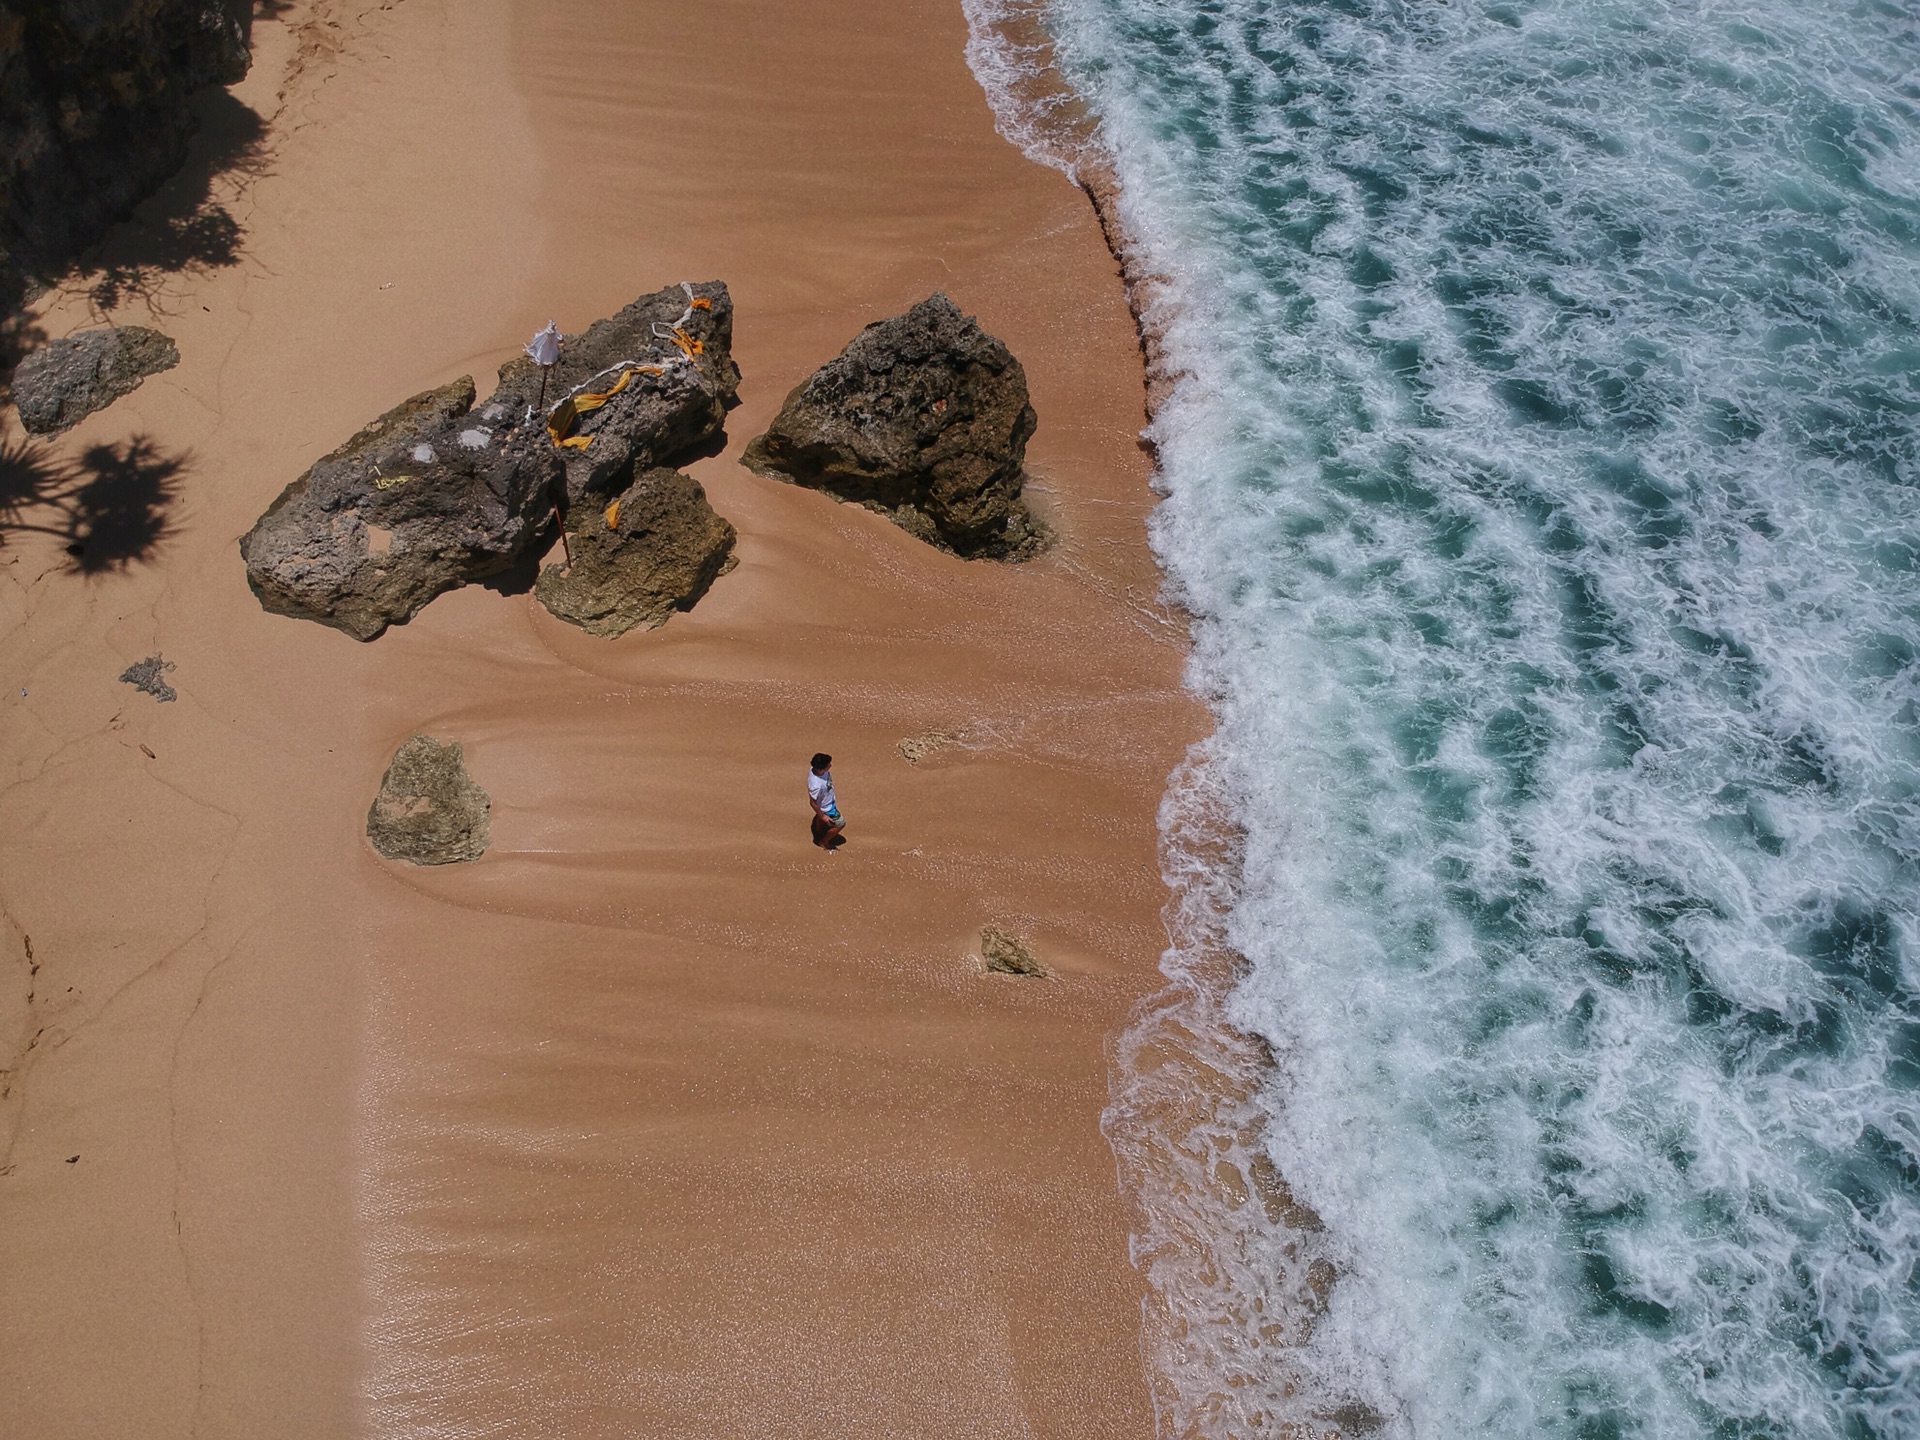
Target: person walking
column 827, row 822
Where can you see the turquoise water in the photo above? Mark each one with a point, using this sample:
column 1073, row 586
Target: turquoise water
column 1543, row 482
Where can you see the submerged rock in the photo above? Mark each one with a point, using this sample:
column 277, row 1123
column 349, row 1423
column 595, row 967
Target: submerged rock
column 1005, row 954
column 60, row 384
column 916, row 748
column 653, row 550
column 436, row 493
column 429, row 811
column 924, row 418
column 425, row 499
column 675, row 350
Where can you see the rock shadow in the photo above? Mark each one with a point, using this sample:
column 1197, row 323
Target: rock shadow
column 109, row 508
column 520, row 577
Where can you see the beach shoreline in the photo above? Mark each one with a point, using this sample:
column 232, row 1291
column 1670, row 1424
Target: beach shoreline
column 654, row 1119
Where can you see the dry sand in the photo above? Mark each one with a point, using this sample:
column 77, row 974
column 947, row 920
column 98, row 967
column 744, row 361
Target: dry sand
column 655, row 1120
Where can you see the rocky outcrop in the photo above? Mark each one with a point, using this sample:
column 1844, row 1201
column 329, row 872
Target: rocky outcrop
column 653, row 550
column 429, row 811
column 671, row 356
column 435, row 493
column 924, row 418
column 59, row 385
column 430, row 496
column 93, row 112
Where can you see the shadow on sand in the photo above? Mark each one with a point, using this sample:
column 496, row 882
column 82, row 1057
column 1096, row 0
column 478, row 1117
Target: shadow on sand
column 108, row 508
column 183, row 228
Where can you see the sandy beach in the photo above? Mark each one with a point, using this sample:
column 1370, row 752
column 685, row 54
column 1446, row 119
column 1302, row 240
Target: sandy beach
column 655, row 1120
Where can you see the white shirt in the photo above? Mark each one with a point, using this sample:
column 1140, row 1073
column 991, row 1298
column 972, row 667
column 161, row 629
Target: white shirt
column 820, row 791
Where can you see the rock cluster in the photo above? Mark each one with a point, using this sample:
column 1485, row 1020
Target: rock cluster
column 924, row 418
column 59, row 385
column 435, row 493
column 653, row 550
column 429, row 811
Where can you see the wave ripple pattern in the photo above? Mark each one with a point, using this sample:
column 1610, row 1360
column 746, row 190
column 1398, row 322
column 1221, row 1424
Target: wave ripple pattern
column 1544, row 480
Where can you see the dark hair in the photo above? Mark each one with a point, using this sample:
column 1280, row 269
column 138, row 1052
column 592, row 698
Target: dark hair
column 821, row 761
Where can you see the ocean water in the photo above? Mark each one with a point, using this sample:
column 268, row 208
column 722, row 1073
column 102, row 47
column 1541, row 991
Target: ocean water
column 1541, row 1050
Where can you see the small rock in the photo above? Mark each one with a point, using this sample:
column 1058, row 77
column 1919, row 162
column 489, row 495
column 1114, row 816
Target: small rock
column 59, row 385
column 1004, row 954
column 653, row 550
column 145, row 675
column 923, row 418
column 429, row 811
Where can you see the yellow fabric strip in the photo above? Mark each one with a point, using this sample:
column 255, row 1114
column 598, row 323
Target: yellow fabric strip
column 573, row 407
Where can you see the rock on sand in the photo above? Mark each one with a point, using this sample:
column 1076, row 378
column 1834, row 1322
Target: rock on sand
column 924, row 418
column 426, row 498
column 653, row 550
column 59, row 385
column 429, row 811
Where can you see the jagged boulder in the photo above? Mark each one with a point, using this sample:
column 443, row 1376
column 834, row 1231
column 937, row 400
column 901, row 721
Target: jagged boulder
column 435, row 494
column 924, row 418
column 428, row 497
column 60, row 384
column 675, row 350
column 429, row 810
column 654, row 550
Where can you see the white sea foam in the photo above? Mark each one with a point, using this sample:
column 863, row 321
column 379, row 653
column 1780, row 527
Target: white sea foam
column 1544, row 480
column 1011, row 54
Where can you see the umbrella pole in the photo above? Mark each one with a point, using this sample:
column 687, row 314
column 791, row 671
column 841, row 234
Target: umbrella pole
column 566, row 549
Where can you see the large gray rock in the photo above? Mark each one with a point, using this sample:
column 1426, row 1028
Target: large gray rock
column 60, row 384
column 924, row 418
column 429, row 811
column 653, row 551
column 656, row 417
column 428, row 497
column 435, row 494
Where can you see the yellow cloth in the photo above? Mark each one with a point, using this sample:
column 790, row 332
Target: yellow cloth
column 613, row 515
column 574, row 406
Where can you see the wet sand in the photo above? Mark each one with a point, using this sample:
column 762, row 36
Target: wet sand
column 655, row 1120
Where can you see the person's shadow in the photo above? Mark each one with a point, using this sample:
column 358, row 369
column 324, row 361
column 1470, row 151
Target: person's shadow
column 820, row 830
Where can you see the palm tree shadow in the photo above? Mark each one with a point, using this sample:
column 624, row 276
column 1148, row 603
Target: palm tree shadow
column 110, row 507
column 117, row 508
column 29, row 479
